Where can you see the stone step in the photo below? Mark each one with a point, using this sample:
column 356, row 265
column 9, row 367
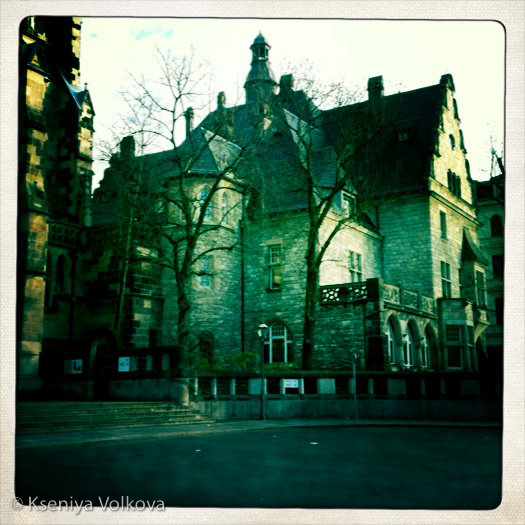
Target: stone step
column 75, row 428
column 63, row 413
column 103, row 421
column 35, row 417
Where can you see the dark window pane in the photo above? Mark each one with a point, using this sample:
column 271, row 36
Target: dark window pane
column 497, row 266
column 278, row 350
column 454, row 356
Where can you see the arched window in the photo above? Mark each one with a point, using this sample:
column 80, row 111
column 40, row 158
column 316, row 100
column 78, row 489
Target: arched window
column 452, row 141
column 425, row 350
column 496, row 226
column 278, row 344
column 203, row 195
column 408, row 348
column 391, row 338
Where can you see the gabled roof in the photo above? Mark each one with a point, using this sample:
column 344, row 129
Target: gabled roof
column 415, row 112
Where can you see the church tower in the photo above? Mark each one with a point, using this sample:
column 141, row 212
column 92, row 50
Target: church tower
column 260, row 84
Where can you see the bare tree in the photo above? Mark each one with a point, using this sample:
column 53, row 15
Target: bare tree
column 179, row 194
column 331, row 153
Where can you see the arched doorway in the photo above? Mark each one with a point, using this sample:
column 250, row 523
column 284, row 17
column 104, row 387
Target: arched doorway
column 101, row 362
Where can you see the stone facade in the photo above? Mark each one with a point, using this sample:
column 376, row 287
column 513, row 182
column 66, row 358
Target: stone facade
column 55, row 151
column 491, row 215
column 402, row 284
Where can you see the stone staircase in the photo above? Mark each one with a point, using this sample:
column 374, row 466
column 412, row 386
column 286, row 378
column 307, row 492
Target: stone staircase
column 65, row 416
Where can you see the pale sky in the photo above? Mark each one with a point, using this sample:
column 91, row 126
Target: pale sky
column 409, row 55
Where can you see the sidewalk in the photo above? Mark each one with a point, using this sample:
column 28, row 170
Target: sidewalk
column 61, row 439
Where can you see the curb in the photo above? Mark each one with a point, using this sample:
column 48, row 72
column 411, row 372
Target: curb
column 247, row 426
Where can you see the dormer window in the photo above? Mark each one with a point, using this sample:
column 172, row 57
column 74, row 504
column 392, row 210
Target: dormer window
column 452, row 141
column 348, row 204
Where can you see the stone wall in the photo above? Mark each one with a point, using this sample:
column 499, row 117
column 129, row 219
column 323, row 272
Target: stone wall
column 404, row 223
column 287, row 304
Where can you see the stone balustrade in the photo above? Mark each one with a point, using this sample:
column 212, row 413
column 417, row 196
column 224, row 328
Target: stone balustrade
column 335, row 294
column 343, row 293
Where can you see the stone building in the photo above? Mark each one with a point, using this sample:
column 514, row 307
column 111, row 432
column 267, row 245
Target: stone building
column 402, row 293
column 491, row 215
column 54, row 189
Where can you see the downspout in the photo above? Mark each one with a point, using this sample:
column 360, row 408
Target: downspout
column 241, row 233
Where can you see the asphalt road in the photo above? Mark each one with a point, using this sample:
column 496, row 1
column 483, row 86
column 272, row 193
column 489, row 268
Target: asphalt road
column 329, row 467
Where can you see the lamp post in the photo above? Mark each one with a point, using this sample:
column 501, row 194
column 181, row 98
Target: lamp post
column 261, row 333
column 354, row 358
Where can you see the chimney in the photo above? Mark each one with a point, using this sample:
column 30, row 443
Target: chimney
column 127, row 148
column 188, row 115
column 286, row 81
column 221, row 100
column 375, row 90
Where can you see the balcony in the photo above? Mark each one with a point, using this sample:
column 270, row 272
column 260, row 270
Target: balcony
column 334, row 294
column 373, row 290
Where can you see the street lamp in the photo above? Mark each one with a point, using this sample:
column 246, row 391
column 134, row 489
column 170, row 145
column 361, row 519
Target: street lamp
column 261, row 333
column 354, row 358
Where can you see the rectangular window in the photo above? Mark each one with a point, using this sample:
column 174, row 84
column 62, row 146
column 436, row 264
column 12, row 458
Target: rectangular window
column 455, row 341
column 274, row 267
column 443, row 224
column 356, row 267
column 481, row 292
column 205, row 273
column 446, row 283
column 454, row 183
column 497, row 266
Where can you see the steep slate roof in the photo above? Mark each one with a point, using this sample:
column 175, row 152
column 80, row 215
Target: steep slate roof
column 274, row 163
column 416, row 112
column 385, row 164
column 203, row 153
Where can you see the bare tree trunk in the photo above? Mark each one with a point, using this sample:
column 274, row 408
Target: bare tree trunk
column 181, row 359
column 312, row 286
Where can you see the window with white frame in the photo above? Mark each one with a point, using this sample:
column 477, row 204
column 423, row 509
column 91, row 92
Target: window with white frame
column 408, row 348
column 455, row 341
column 278, row 344
column 446, row 283
column 203, row 195
column 205, row 272
column 481, row 289
column 391, row 341
column 355, row 264
column 425, row 350
column 274, row 266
